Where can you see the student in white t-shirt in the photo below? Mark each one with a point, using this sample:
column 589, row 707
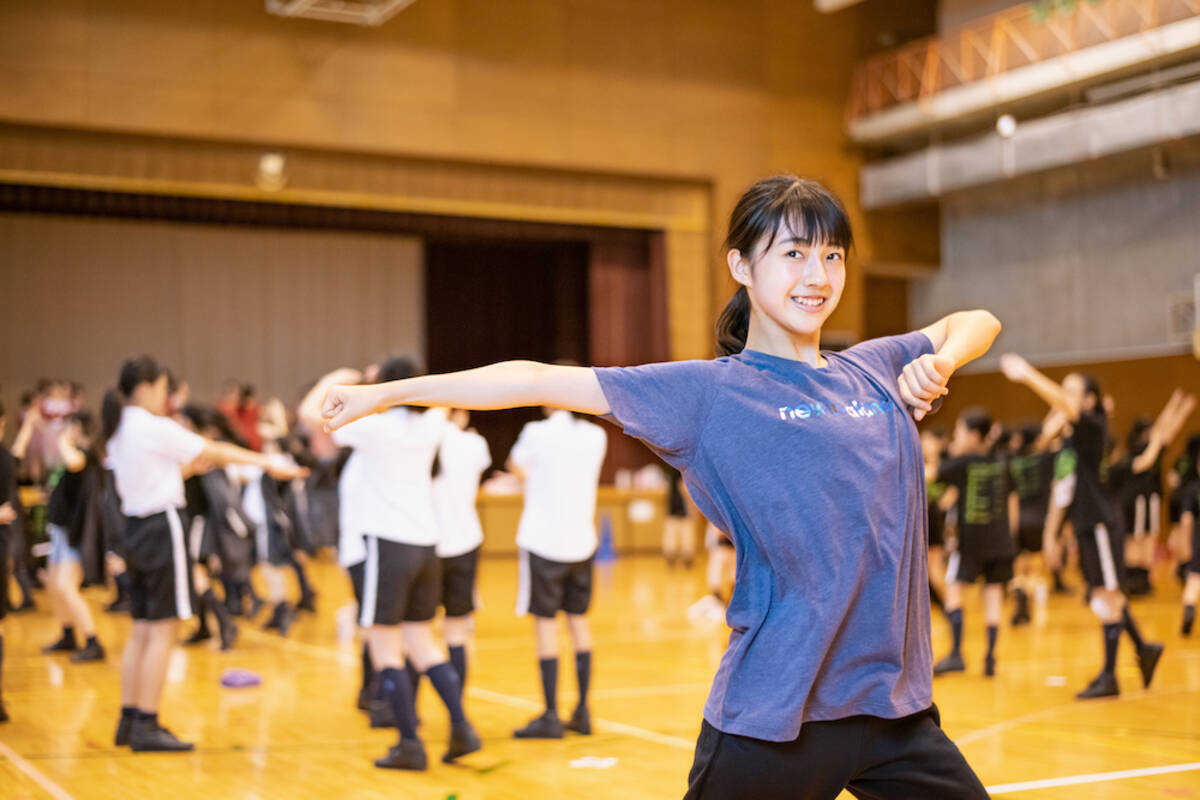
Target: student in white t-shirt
column 386, row 495
column 148, row 453
column 462, row 459
column 560, row 459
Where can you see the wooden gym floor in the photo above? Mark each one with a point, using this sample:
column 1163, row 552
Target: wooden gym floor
column 299, row 736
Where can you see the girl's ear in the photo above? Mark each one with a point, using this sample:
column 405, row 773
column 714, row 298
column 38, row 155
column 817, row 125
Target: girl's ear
column 738, row 267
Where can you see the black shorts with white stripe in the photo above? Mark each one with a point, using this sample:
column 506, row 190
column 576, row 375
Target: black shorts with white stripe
column 1102, row 558
column 458, row 583
column 401, row 583
column 157, row 564
column 547, row 587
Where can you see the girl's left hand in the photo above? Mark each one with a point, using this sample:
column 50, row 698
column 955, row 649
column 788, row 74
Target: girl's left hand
column 923, row 380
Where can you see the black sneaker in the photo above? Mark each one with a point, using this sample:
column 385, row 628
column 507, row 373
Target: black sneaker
column 381, row 713
column 1188, row 621
column 229, row 633
column 364, row 698
column 123, row 729
column 951, row 663
column 147, row 737
column 200, row 635
column 65, row 644
column 989, row 666
column 547, row 726
column 409, row 755
column 581, row 721
column 3, row 712
column 1148, row 657
column 118, row 606
column 93, row 651
column 286, row 617
column 1104, row 685
column 463, row 740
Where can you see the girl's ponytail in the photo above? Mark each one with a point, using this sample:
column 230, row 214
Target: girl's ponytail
column 733, row 326
column 110, row 414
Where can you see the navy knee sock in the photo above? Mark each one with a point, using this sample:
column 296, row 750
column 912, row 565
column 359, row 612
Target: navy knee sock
column 956, row 626
column 1112, row 635
column 398, row 692
column 549, row 669
column 992, row 630
column 445, row 681
column 583, row 672
column 458, row 657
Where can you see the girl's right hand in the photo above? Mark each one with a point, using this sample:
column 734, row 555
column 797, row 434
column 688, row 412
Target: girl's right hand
column 344, row 404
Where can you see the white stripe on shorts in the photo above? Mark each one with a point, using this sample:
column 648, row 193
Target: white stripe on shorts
column 952, row 567
column 179, row 560
column 1107, row 567
column 370, row 583
column 523, row 584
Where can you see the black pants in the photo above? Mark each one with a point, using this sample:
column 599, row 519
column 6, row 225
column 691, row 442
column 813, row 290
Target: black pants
column 873, row 758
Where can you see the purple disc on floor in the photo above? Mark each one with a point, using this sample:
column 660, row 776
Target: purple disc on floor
column 239, row 679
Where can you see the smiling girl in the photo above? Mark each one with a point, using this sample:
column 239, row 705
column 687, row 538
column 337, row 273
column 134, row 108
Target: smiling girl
column 812, row 463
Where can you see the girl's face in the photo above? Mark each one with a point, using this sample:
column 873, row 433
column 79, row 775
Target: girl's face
column 1076, row 390
column 795, row 282
column 156, row 396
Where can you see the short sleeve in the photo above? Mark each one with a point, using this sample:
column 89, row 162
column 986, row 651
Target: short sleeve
column 522, row 451
column 664, row 405
column 356, row 433
column 887, row 355
column 176, row 442
column 953, row 472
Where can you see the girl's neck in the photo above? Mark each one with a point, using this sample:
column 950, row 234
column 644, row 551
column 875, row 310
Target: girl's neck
column 767, row 337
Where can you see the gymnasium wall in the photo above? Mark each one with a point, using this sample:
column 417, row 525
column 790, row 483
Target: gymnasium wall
column 273, row 307
column 954, row 14
column 709, row 91
column 1081, row 265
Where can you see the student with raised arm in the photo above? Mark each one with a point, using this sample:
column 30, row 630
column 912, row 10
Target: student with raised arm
column 148, row 453
column 1094, row 517
column 812, row 463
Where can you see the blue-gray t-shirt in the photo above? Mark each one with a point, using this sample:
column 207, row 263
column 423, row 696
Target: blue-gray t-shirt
column 817, row 475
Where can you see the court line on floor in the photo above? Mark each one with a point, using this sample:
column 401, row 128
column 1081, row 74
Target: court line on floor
column 1033, row 716
column 1095, row 777
column 490, row 696
column 37, row 776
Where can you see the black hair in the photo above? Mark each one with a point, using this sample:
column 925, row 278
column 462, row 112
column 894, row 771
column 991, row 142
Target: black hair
column 1133, row 442
column 977, row 420
column 396, row 368
column 245, row 393
column 806, row 208
column 134, row 373
column 1030, row 432
column 173, row 382
column 1092, row 386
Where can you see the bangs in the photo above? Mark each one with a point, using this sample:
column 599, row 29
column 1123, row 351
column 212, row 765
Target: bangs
column 807, row 211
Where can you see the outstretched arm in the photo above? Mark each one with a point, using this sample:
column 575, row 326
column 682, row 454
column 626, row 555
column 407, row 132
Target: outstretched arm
column 957, row 339
column 1178, row 408
column 310, row 407
column 223, row 453
column 510, row 384
column 1018, row 370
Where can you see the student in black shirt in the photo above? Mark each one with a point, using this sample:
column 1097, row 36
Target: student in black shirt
column 75, row 485
column 985, row 507
column 1094, row 517
column 1138, row 485
column 1031, row 469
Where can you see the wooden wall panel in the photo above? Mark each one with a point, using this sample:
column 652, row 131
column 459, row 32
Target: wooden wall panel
column 277, row 308
column 703, row 96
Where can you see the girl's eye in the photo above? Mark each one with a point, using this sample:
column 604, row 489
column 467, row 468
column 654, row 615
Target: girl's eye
column 834, row 256
column 794, row 254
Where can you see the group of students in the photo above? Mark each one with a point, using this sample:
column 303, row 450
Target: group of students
column 410, row 540
column 1005, row 497
column 808, row 460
